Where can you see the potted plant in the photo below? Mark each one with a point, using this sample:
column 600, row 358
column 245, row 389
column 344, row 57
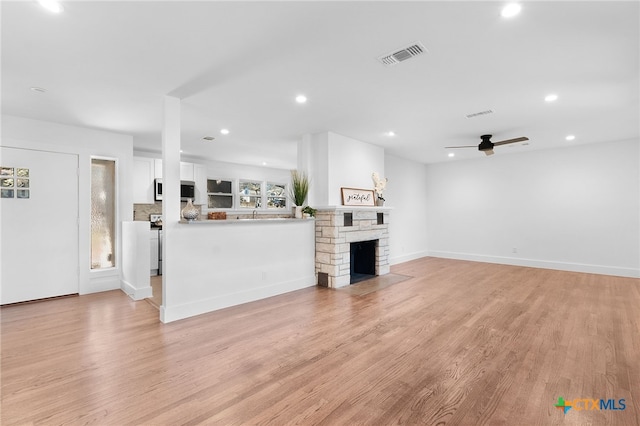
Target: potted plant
column 310, row 211
column 299, row 190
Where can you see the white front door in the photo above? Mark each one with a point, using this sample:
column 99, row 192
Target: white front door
column 39, row 224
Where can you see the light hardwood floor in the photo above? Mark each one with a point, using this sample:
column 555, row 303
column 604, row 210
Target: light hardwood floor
column 460, row 343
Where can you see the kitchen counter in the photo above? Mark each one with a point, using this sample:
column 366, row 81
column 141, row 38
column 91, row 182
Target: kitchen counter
column 244, row 221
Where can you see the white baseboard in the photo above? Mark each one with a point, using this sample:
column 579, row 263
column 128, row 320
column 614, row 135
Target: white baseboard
column 136, row 293
column 174, row 313
column 408, row 257
column 101, row 282
column 544, row 264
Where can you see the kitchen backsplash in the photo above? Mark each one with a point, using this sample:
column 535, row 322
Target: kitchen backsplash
column 142, row 211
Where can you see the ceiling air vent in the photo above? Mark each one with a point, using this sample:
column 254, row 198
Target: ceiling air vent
column 402, row 54
column 478, row 114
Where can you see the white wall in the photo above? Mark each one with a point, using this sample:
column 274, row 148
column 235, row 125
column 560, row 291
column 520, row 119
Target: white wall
column 334, row 161
column 406, row 194
column 39, row 135
column 575, row 208
column 313, row 158
column 351, row 163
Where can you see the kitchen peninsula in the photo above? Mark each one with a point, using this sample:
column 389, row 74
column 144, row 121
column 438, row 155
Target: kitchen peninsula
column 214, row 264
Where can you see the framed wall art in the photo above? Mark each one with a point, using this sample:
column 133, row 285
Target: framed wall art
column 357, row 197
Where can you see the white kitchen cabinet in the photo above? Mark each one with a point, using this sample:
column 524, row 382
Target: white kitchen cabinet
column 143, row 174
column 157, row 168
column 153, row 243
column 186, row 170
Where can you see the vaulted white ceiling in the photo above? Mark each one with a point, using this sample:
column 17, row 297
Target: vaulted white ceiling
column 239, row 65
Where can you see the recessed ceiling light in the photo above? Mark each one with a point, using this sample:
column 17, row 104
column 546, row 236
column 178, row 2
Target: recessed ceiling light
column 301, row 99
column 390, row 133
column 208, row 138
column 451, row 155
column 181, row 151
column 570, row 137
column 511, row 10
column 38, row 89
column 264, row 163
column 551, row 97
column 224, row 131
column 51, row 5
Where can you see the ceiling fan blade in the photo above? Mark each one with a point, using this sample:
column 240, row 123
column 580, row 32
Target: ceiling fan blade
column 488, row 152
column 465, row 146
column 522, row 139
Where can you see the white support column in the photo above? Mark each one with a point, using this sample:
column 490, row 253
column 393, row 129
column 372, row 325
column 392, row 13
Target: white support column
column 170, row 193
column 171, row 160
column 312, row 158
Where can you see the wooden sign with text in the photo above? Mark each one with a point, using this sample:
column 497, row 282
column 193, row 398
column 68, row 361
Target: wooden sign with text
column 358, row 197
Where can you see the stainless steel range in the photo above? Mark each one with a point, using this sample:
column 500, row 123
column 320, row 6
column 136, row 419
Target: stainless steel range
column 156, row 223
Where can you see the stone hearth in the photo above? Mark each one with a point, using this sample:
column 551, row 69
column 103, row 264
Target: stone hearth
column 338, row 227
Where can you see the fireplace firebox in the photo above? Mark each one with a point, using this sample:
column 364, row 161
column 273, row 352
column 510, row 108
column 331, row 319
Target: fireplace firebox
column 363, row 260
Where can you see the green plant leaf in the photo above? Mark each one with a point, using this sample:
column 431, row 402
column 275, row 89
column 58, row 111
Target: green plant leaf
column 299, row 187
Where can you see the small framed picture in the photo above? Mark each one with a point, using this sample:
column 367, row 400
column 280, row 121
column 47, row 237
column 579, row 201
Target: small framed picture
column 357, row 197
column 6, row 171
column 22, row 183
column 22, row 193
column 6, row 193
column 6, row 182
column 23, row 173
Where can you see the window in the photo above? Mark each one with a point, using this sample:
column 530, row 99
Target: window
column 250, row 194
column 276, row 196
column 103, row 213
column 219, row 194
column 245, row 194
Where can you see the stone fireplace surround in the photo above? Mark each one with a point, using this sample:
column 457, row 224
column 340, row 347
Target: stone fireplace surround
column 334, row 238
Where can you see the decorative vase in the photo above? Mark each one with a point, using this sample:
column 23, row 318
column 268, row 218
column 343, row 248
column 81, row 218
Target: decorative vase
column 379, row 202
column 298, row 212
column 190, row 212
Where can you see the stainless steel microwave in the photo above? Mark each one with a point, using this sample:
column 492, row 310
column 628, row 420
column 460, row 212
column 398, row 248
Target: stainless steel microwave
column 187, row 190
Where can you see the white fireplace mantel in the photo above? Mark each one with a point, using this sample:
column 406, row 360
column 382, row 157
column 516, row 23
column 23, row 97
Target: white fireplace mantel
column 348, row 208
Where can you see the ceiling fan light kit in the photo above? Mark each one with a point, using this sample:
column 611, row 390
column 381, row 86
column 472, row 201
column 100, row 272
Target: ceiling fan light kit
column 486, row 145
